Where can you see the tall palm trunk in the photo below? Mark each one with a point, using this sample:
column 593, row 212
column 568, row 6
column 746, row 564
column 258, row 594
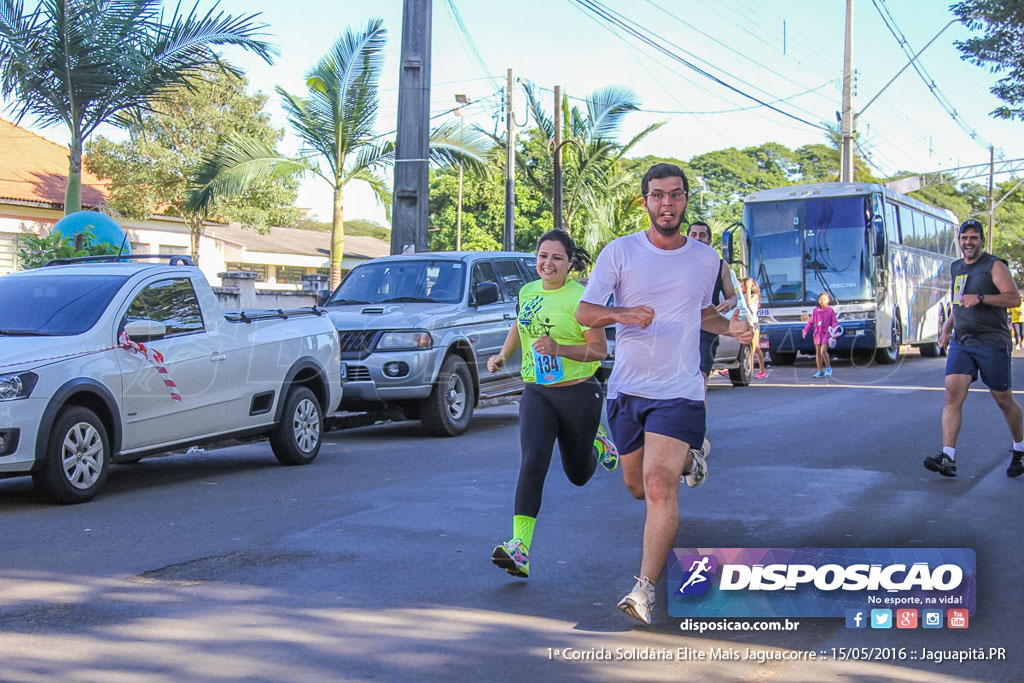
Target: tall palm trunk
column 73, row 194
column 337, row 236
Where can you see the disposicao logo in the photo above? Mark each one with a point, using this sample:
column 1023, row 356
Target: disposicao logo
column 818, row 582
column 696, row 580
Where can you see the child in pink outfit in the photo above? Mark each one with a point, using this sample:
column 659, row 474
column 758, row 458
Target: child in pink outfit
column 823, row 319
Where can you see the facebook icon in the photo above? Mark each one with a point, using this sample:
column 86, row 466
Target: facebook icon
column 856, row 618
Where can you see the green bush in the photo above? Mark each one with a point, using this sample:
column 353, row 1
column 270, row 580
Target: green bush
column 38, row 251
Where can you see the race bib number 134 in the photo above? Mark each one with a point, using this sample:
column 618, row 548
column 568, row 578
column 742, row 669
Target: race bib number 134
column 548, row 368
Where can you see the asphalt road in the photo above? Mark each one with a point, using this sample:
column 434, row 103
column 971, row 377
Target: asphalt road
column 373, row 562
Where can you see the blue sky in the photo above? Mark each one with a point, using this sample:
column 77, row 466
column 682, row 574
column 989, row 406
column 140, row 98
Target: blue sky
column 788, row 50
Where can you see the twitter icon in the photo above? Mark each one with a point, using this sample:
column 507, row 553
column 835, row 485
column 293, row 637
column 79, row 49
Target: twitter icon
column 881, row 618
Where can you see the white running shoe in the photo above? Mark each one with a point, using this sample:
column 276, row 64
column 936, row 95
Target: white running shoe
column 639, row 602
column 698, row 473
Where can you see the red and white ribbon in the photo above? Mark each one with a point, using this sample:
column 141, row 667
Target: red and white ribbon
column 154, row 357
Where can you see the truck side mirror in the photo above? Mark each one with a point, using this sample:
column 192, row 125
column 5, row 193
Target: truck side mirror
column 322, row 295
column 145, row 330
column 485, row 293
column 727, row 251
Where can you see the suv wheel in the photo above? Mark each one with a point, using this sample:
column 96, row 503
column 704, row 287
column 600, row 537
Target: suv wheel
column 296, row 439
column 740, row 375
column 77, row 457
column 449, row 408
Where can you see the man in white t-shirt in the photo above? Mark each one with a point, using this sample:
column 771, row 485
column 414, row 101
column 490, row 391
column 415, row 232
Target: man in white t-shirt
column 662, row 284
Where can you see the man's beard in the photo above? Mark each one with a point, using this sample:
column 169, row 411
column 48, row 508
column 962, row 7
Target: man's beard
column 668, row 231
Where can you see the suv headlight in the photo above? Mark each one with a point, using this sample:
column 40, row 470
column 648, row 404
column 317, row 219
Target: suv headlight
column 17, row 385
column 417, row 339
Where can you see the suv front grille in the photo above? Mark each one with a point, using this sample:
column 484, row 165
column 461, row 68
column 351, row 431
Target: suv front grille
column 356, row 344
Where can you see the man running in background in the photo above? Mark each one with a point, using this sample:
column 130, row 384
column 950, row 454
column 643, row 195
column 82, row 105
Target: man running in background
column 983, row 289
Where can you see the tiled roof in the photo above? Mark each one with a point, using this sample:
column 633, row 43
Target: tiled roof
column 295, row 241
column 33, row 169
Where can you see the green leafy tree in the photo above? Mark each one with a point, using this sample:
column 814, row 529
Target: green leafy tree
column 81, row 63
column 154, row 170
column 1000, row 48
column 38, row 251
column 335, row 122
column 598, row 193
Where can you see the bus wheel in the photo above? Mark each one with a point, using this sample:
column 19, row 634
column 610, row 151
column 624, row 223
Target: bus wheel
column 891, row 353
column 930, row 350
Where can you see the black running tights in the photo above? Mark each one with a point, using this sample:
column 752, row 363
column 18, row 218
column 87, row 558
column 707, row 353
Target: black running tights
column 569, row 415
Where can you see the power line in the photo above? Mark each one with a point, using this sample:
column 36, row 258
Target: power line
column 890, row 23
column 643, row 35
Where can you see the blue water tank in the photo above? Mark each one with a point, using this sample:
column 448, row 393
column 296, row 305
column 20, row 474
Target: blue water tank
column 103, row 227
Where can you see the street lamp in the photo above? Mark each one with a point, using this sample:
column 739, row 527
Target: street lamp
column 462, row 100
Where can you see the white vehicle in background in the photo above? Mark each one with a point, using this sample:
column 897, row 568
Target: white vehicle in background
column 76, row 394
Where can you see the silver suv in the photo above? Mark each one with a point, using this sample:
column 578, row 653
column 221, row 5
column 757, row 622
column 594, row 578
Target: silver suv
column 416, row 331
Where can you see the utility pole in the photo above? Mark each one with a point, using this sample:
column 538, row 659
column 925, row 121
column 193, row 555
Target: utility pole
column 846, row 139
column 557, row 199
column 508, row 235
column 412, row 143
column 991, row 198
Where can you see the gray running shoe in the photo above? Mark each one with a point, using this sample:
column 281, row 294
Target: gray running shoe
column 639, row 602
column 941, row 463
column 698, row 473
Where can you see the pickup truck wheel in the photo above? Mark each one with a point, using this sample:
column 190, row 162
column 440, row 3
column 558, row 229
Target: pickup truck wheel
column 449, row 408
column 77, row 457
column 783, row 357
column 296, row 439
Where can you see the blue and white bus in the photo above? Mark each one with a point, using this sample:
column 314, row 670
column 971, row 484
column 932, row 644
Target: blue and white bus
column 882, row 257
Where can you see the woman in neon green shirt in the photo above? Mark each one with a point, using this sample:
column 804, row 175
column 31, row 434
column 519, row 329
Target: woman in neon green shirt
column 562, row 400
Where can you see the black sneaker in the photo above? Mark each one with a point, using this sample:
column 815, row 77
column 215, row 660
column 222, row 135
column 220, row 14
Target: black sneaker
column 943, row 464
column 1016, row 467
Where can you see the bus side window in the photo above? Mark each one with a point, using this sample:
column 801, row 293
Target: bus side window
column 892, row 224
column 906, row 226
column 933, row 235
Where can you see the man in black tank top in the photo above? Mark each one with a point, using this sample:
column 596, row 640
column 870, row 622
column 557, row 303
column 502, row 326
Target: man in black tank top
column 723, row 297
column 983, row 289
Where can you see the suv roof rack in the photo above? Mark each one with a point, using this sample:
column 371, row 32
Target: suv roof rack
column 172, row 259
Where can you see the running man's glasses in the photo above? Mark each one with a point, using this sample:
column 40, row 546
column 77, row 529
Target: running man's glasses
column 658, row 195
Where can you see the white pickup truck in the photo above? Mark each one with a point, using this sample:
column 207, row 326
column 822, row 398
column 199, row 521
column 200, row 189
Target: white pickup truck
column 107, row 362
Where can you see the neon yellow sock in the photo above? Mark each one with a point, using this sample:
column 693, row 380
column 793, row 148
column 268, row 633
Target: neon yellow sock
column 522, row 528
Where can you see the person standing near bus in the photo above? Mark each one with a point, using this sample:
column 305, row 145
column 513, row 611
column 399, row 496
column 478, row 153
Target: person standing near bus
column 662, row 283
column 823, row 320
column 979, row 342
column 723, row 297
column 752, row 293
column 562, row 400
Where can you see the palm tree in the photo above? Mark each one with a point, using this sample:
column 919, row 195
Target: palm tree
column 85, row 62
column 335, row 122
column 597, row 189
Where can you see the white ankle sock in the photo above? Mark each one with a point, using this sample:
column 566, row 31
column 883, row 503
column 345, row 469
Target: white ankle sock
column 1018, row 445
column 950, row 451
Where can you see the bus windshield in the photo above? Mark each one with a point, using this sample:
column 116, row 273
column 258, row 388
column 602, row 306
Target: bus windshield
column 801, row 248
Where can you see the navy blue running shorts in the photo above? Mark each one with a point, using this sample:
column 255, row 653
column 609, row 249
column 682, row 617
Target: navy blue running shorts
column 992, row 362
column 679, row 418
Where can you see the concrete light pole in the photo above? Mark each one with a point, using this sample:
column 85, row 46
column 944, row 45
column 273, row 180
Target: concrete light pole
column 462, row 100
